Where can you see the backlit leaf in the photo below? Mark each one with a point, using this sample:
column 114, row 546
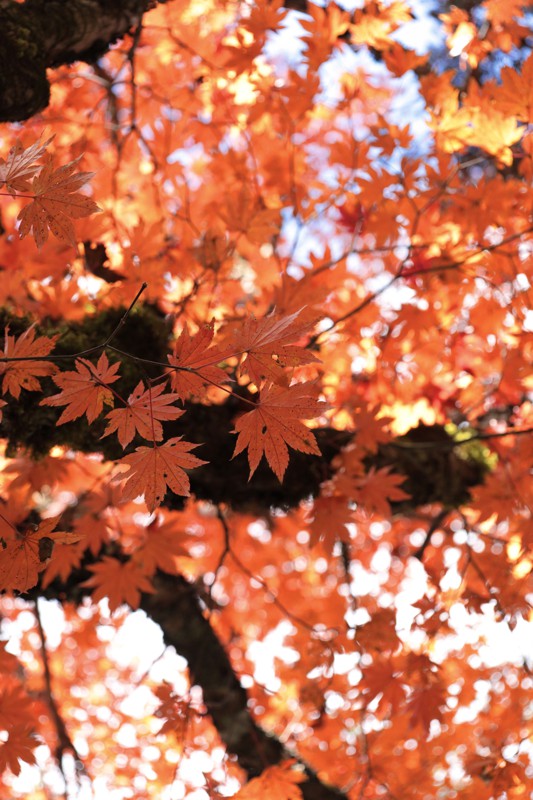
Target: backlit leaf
column 275, row 424
column 84, row 391
column 56, row 202
column 142, row 415
column 24, row 374
column 153, row 469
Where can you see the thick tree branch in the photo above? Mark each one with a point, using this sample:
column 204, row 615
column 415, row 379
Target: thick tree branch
column 436, row 470
column 177, row 609
column 39, row 34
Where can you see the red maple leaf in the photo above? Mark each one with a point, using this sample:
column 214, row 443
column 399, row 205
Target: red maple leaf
column 275, row 423
column 56, row 201
column 84, row 391
column 195, row 361
column 24, row 374
column 152, row 469
column 142, row 414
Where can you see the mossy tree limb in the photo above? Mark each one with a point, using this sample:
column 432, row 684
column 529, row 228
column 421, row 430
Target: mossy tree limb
column 39, row 34
column 433, row 475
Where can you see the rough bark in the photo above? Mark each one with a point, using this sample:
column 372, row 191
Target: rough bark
column 39, row 34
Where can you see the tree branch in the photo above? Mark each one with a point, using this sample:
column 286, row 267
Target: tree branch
column 437, row 469
column 38, row 34
column 177, row 609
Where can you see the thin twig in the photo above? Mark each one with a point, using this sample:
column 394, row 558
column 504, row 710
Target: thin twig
column 435, row 523
column 412, row 273
column 64, row 742
column 451, row 443
column 227, row 548
column 89, row 350
column 125, row 316
column 273, row 597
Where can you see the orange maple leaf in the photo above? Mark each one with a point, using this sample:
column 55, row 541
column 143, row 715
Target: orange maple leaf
column 121, row 582
column 16, row 706
column 381, row 678
column 65, row 560
column 24, row 374
column 274, row 423
column 84, row 391
column 371, row 430
column 280, row 782
column 142, row 414
column 380, row 633
column 377, row 488
column 266, row 342
column 26, row 553
column 196, row 362
column 20, row 166
column 152, row 469
column 515, row 95
column 56, row 201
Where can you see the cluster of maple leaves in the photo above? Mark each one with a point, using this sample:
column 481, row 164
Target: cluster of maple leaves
column 262, row 347
column 304, row 245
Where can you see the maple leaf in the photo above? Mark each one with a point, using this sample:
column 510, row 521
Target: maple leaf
column 197, row 361
column 56, row 201
column 121, row 582
column 65, row 560
column 174, row 710
column 399, row 60
column 16, row 707
column 162, row 547
column 24, row 374
column 381, row 678
column 20, row 166
column 426, row 703
column 330, row 516
column 142, row 414
column 274, row 424
column 267, row 344
column 152, row 469
column 380, row 633
column 26, row 554
column 84, row 391
column 280, row 782
column 19, row 746
column 377, row 488
column 371, row 430
column 515, row 95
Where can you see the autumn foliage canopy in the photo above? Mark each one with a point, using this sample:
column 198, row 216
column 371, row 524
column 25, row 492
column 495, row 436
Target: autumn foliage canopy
column 266, row 392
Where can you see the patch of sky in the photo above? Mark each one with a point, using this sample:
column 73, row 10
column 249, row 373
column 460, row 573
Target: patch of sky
column 284, row 47
column 424, row 32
